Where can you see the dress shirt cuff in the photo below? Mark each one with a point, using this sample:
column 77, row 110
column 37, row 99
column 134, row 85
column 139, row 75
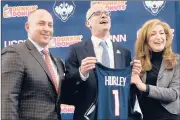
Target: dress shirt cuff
column 84, row 78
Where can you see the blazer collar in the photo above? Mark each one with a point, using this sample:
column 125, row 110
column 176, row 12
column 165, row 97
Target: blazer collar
column 89, row 48
column 160, row 74
column 162, row 69
column 117, row 56
column 36, row 54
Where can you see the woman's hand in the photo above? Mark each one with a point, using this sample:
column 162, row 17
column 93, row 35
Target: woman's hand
column 135, row 79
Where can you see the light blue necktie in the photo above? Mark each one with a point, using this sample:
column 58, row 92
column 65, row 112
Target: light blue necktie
column 105, row 54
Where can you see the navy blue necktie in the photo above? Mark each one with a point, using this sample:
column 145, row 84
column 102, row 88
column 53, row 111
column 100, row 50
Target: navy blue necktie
column 105, row 54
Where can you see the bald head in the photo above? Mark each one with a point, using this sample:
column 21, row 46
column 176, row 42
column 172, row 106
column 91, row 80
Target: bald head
column 38, row 12
column 94, row 8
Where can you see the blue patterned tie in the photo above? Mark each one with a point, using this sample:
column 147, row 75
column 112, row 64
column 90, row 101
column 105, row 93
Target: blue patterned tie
column 105, row 54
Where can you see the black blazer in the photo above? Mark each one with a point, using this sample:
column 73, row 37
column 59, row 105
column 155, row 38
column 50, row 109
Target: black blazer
column 27, row 89
column 80, row 93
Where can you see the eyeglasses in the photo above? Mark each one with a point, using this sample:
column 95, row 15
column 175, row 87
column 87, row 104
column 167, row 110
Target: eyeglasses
column 99, row 13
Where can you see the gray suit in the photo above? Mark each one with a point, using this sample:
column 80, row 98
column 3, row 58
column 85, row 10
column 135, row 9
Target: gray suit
column 168, row 88
column 27, row 89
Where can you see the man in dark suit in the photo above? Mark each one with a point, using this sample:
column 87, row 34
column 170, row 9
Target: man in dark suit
column 80, row 87
column 30, row 75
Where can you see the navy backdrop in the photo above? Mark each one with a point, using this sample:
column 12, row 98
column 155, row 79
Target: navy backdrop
column 69, row 23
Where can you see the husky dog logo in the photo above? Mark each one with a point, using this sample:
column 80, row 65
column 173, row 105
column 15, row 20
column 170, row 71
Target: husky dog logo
column 154, row 7
column 64, row 10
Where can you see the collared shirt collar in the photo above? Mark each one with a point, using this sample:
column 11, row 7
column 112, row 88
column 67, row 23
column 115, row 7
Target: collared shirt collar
column 39, row 48
column 96, row 41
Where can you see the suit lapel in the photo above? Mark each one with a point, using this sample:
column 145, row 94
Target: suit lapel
column 160, row 74
column 56, row 62
column 89, row 48
column 161, row 71
column 35, row 53
column 60, row 68
column 117, row 56
column 60, row 72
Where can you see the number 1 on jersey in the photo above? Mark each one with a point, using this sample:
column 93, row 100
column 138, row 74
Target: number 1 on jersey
column 116, row 98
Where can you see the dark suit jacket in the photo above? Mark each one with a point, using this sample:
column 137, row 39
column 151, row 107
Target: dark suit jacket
column 83, row 93
column 27, row 89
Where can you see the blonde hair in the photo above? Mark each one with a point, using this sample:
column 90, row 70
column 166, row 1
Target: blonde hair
column 143, row 51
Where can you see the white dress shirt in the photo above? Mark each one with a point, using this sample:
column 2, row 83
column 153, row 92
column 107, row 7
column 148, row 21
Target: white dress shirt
column 98, row 49
column 39, row 48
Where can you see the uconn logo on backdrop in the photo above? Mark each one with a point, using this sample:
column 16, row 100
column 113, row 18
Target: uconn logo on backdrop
column 119, row 38
column 11, row 42
column 64, row 10
column 154, row 7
